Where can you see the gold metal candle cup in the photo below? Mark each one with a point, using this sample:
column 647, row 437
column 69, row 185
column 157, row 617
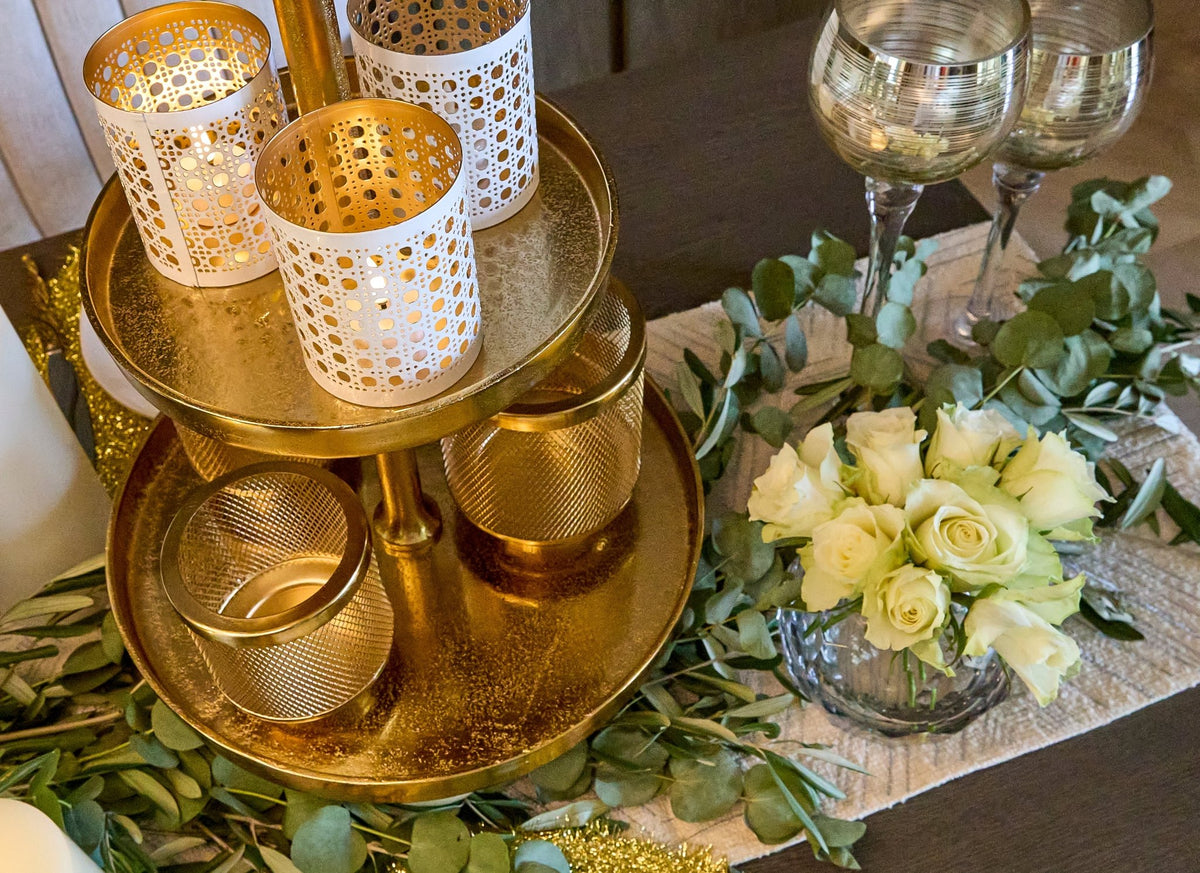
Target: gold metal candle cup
column 187, row 98
column 471, row 62
column 271, row 570
column 366, row 201
column 562, row 462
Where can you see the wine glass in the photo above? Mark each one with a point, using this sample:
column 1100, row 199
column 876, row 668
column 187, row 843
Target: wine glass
column 912, row 92
column 1089, row 74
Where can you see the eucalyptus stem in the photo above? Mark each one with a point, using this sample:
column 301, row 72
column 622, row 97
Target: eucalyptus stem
column 1017, row 372
column 51, row 729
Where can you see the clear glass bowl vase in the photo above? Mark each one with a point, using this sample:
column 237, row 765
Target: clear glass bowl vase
column 874, row 688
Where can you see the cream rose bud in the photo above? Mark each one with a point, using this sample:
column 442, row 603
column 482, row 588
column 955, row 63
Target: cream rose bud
column 904, row 607
column 976, row 544
column 799, row 490
column 1040, row 654
column 847, row 548
column 887, row 446
column 1055, row 484
column 969, row 438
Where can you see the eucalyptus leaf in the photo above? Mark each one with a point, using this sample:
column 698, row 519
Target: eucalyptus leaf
column 573, row 815
column 689, row 389
column 488, row 854
column 837, row 293
column 805, row 273
column 277, row 861
column 85, row 823
column 860, row 329
column 226, row 773
column 703, row 790
column 85, row 659
column 754, row 637
column 740, row 542
column 630, row 765
column 773, row 425
column 563, row 772
column 36, row 607
column 1091, row 425
column 441, row 843
column 877, row 368
column 150, row 788
column 1072, row 310
column 730, row 409
column 770, row 367
column 768, row 812
column 774, row 286
column 1131, row 340
column 153, row 752
column 894, row 324
column 741, row 311
column 1149, row 495
column 327, row 843
column 536, row 855
column 795, row 345
column 954, row 383
column 110, row 639
column 764, row 707
column 831, row 254
column 1029, row 339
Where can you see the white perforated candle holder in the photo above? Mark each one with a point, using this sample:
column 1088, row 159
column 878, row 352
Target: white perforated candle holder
column 471, row 62
column 187, row 100
column 367, row 203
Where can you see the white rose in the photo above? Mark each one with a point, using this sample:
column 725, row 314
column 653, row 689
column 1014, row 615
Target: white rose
column 1056, row 486
column 1040, row 654
column 799, row 490
column 969, row 438
column 888, row 449
column 1055, row 600
column 976, row 544
column 846, row 549
column 904, row 607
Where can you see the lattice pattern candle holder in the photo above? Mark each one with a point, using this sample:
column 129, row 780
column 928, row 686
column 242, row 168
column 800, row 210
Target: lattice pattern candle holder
column 470, row 61
column 367, row 202
column 187, row 99
column 562, row 462
column 271, row 569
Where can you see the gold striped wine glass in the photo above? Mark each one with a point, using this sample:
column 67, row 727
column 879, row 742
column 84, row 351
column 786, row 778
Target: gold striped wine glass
column 912, row 92
column 1089, row 74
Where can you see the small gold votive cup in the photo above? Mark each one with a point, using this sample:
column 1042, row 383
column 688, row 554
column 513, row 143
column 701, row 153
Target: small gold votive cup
column 187, row 99
column 271, row 569
column 366, row 200
column 562, row 462
column 471, row 62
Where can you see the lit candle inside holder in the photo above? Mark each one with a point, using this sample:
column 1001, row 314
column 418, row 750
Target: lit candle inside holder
column 472, row 64
column 367, row 202
column 53, row 510
column 187, row 99
column 32, row 843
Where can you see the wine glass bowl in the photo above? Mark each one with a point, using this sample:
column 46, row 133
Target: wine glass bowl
column 921, row 91
column 1090, row 68
column 1088, row 77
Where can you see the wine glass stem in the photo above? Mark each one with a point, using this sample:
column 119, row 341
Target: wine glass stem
column 891, row 203
column 1014, row 186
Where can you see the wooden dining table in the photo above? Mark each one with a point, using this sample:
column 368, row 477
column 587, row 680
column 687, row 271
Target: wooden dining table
column 718, row 163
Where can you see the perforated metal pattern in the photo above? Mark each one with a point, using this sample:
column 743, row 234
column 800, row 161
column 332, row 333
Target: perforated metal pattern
column 366, row 200
column 187, row 99
column 257, row 525
column 212, row 458
column 471, row 62
column 563, row 483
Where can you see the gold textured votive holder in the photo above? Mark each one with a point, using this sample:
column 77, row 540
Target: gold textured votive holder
column 271, row 570
column 187, row 99
column 471, row 62
column 367, row 203
column 562, row 462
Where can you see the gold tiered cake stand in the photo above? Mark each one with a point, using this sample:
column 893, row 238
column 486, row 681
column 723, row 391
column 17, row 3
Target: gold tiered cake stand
column 502, row 659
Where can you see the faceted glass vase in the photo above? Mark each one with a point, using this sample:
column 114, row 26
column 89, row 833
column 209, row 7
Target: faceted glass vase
column 871, row 687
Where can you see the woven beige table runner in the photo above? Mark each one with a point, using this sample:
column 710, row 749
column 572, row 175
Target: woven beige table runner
column 1161, row 585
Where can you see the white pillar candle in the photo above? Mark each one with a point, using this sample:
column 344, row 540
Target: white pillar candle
column 53, row 509
column 34, row 844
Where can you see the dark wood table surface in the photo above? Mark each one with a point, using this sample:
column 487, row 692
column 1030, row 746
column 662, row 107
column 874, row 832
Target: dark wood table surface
column 717, row 165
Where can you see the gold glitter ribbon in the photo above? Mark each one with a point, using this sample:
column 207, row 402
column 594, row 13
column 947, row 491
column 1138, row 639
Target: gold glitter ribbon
column 601, row 847
column 117, row 431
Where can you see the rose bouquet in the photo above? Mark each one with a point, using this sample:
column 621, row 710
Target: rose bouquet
column 941, row 539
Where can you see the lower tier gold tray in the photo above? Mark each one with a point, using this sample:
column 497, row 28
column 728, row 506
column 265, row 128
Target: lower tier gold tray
column 502, row 661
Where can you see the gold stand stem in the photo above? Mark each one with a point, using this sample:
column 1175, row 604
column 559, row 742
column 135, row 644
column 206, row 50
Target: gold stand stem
column 313, row 46
column 404, row 518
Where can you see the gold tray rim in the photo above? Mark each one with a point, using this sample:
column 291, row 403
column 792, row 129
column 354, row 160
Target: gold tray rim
column 391, row 428
column 659, row 411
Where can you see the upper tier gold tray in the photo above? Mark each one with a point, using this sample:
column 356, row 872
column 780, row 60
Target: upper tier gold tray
column 227, row 361
column 501, row 663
